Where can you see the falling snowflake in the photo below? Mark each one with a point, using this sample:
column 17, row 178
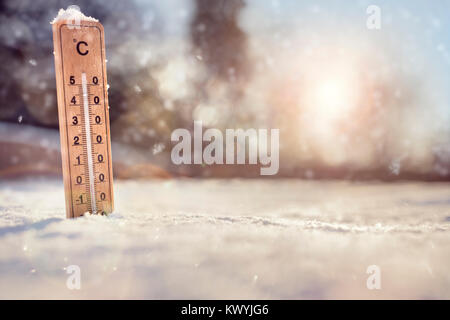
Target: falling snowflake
column 158, row 148
column 137, row 89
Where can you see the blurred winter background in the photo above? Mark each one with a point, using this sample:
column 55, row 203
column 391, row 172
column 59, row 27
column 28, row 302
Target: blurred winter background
column 349, row 102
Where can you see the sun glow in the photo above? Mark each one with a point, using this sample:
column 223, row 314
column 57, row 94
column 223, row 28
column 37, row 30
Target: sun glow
column 332, row 93
column 333, row 98
column 330, row 101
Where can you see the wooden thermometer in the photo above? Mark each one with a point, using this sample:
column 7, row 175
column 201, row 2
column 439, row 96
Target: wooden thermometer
column 80, row 67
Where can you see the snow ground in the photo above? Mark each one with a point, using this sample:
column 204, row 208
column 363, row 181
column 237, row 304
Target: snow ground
column 229, row 239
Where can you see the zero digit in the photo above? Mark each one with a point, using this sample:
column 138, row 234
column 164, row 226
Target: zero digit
column 100, row 158
column 96, row 100
column 98, row 119
column 79, row 180
column 101, row 177
column 95, row 80
column 99, row 139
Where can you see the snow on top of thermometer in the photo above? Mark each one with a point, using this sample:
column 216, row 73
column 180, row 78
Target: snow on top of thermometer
column 72, row 13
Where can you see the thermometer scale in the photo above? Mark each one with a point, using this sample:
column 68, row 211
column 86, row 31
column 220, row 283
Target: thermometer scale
column 80, row 67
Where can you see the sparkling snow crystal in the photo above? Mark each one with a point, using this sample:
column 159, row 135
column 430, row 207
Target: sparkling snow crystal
column 72, row 13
